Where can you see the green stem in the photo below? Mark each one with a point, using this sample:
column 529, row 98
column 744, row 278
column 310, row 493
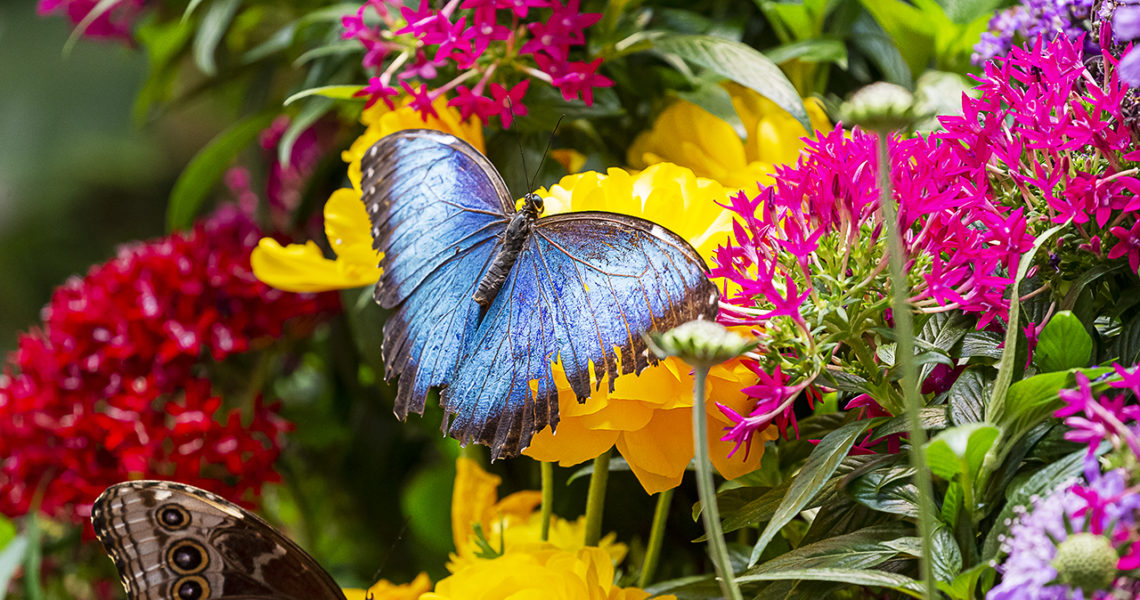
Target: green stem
column 904, row 334
column 596, row 498
column 547, row 497
column 656, row 538
column 710, row 514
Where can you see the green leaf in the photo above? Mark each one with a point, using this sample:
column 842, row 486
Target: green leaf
column 820, row 464
column 277, row 42
column 335, row 92
column 1064, row 344
column 965, row 11
column 963, row 585
column 313, row 110
column 1127, row 344
column 10, row 559
column 947, row 557
column 339, row 48
column 894, row 581
column 717, row 101
column 1032, row 400
column 862, row 549
column 816, row 50
column 967, row 397
column 960, row 450
column 1044, row 481
column 877, row 46
column 943, row 330
column 908, row 27
column 740, row 63
column 887, row 490
column 981, row 343
column 207, row 168
column 190, row 8
column 163, row 43
column 995, row 410
column 33, row 556
column 210, row 33
column 931, row 417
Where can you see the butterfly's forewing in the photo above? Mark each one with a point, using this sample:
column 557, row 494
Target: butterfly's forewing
column 176, row 542
column 436, row 206
column 585, row 289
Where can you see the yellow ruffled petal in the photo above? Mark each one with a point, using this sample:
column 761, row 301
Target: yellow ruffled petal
column 658, row 453
column 474, row 494
column 349, row 230
column 304, row 268
column 573, row 444
column 385, row 590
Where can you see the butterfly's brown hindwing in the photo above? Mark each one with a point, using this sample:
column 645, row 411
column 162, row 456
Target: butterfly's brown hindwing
column 176, row 542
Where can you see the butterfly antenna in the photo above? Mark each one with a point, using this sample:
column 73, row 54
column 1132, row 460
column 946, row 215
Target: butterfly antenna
column 549, row 143
column 522, row 155
column 391, row 550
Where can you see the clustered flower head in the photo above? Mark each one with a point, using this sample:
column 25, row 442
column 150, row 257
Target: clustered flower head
column 1041, row 145
column 1078, row 542
column 1113, row 418
column 1030, row 19
column 485, row 51
column 111, row 386
column 112, row 22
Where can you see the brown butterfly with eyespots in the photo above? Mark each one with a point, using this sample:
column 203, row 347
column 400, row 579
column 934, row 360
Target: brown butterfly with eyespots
column 177, row 542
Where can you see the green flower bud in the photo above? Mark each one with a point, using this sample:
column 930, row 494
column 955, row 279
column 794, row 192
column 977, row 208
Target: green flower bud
column 881, row 107
column 1086, row 561
column 700, row 343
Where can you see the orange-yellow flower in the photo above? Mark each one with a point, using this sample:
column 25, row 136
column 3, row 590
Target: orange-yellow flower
column 512, row 523
column 648, row 417
column 304, row 267
column 546, row 573
column 688, row 135
column 384, row 590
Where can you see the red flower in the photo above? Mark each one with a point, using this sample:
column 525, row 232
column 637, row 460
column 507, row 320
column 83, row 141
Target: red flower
column 104, row 391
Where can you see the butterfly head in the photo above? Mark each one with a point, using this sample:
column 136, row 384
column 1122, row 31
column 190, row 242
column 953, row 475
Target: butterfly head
column 532, row 204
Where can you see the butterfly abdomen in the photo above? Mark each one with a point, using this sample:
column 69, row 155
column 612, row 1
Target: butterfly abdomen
column 510, row 246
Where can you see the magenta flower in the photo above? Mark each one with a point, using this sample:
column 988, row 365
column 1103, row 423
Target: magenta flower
column 114, row 23
column 1129, row 244
column 468, row 47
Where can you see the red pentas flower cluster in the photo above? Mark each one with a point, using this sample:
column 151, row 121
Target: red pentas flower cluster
column 485, row 51
column 104, row 20
column 110, row 387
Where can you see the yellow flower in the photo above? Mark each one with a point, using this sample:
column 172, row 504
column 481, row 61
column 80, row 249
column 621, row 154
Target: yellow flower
column 383, row 590
column 690, row 136
column 304, row 267
column 511, row 523
column 648, row 417
column 546, row 573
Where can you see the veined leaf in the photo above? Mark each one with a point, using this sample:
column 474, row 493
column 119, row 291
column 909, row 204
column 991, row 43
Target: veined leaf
column 894, row 581
column 740, row 63
column 820, row 464
column 1064, row 344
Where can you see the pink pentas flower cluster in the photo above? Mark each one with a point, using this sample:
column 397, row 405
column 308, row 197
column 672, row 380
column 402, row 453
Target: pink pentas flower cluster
column 485, row 53
column 111, row 386
column 114, row 21
column 1093, row 419
column 1042, row 144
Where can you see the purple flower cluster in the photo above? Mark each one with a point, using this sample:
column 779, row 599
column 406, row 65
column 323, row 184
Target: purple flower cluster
column 1105, row 508
column 1042, row 144
column 493, row 48
column 1030, row 19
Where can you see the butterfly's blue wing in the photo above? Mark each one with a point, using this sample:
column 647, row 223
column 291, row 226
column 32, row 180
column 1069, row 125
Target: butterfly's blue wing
column 584, row 289
column 437, row 207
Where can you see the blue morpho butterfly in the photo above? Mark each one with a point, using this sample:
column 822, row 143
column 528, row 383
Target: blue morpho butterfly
column 487, row 297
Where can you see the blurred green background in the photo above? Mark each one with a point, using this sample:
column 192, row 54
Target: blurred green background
column 77, row 176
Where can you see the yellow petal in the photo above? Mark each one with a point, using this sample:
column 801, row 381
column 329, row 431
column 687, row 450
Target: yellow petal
column 473, row 496
column 659, row 453
column 349, row 230
column 304, row 268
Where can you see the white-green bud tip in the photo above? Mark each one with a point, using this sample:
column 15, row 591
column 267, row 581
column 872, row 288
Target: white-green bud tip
column 699, row 343
column 881, row 107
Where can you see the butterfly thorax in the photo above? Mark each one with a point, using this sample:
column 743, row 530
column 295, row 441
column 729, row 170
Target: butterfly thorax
column 510, row 245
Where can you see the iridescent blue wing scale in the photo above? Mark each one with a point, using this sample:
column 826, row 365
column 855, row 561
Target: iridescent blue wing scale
column 437, row 207
column 584, row 290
